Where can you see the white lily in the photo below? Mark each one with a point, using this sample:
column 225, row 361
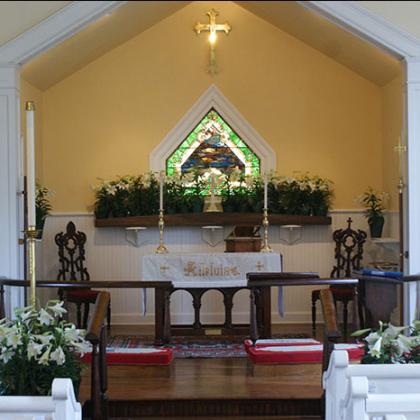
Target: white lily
column 13, row 339
column 82, row 347
column 72, row 334
column 44, row 317
column 44, row 339
column 6, row 355
column 392, row 332
column 34, row 349
column 376, row 350
column 58, row 356
column 58, row 309
column 43, row 360
column 372, row 338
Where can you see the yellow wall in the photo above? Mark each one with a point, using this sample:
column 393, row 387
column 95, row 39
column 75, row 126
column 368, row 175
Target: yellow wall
column 392, row 126
column 106, row 118
column 31, row 93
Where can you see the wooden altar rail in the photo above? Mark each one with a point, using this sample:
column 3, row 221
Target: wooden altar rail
column 161, row 288
column 257, row 282
column 212, row 218
column 96, row 335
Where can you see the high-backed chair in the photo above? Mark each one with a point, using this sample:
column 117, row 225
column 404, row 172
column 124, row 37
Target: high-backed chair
column 348, row 256
column 71, row 252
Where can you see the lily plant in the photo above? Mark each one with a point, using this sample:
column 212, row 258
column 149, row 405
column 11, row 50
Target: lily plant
column 36, row 347
column 391, row 344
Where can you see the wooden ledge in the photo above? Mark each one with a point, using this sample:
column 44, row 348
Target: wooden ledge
column 214, row 219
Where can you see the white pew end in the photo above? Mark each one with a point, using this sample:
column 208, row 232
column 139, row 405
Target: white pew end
column 61, row 405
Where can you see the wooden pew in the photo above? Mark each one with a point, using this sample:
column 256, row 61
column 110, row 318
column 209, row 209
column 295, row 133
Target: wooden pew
column 359, row 403
column 381, row 379
column 61, row 405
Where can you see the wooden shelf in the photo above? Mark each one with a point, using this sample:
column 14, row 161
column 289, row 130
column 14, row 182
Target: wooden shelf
column 215, row 219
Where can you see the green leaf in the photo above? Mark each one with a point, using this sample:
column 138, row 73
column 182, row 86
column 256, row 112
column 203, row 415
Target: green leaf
column 361, row 332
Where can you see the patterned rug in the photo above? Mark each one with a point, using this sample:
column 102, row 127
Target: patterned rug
column 188, row 348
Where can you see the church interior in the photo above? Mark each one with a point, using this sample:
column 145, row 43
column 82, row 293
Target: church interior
column 259, row 98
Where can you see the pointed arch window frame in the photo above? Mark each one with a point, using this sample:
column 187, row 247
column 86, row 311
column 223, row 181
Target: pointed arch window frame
column 213, row 98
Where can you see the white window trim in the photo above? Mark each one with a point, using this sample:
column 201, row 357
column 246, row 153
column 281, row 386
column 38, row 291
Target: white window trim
column 212, row 98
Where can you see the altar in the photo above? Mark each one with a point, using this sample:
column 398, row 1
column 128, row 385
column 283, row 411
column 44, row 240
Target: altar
column 199, row 273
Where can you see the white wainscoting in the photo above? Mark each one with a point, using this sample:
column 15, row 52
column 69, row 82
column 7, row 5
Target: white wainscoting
column 111, row 257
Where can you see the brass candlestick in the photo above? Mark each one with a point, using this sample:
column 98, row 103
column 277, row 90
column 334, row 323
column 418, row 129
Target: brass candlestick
column 265, row 247
column 31, row 234
column 161, row 249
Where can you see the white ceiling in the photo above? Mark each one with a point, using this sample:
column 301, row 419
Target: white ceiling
column 136, row 16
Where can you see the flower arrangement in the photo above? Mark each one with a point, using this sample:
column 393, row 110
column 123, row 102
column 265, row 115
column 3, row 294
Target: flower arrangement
column 374, row 203
column 42, row 205
column 389, row 345
column 139, row 195
column 37, row 347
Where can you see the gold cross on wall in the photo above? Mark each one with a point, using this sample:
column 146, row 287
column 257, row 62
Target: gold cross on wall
column 401, row 149
column 213, row 28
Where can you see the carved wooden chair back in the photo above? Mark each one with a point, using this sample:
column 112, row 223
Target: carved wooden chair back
column 348, row 250
column 71, row 252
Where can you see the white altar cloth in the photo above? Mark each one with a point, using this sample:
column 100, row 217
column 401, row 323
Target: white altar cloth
column 227, row 269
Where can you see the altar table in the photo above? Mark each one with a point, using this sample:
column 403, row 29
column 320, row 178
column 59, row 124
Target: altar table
column 225, row 272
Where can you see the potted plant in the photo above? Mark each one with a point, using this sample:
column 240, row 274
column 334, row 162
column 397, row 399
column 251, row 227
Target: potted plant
column 42, row 207
column 36, row 347
column 374, row 202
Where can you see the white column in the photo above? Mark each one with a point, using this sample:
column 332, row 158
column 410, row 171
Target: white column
column 413, row 188
column 11, row 253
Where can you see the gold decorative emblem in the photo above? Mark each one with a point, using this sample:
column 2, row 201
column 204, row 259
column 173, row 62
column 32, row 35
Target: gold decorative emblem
column 259, row 266
column 163, row 268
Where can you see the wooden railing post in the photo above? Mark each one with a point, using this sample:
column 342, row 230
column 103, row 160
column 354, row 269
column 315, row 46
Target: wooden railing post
column 2, row 309
column 97, row 337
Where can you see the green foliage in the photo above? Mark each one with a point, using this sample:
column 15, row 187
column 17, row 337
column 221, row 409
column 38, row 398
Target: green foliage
column 37, row 347
column 388, row 344
column 139, row 195
column 42, row 205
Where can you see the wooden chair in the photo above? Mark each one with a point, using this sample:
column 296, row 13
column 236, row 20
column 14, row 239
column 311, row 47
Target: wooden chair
column 71, row 251
column 348, row 256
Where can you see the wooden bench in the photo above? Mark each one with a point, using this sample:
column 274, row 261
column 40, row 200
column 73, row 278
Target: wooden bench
column 61, row 405
column 387, row 380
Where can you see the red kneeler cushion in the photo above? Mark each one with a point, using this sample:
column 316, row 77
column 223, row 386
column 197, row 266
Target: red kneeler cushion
column 268, row 342
column 278, row 355
column 135, row 356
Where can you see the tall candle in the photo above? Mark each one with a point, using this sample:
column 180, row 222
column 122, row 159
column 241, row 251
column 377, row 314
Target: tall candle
column 265, row 191
column 30, row 161
column 161, row 180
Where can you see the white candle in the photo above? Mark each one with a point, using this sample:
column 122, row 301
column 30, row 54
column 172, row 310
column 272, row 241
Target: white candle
column 265, row 191
column 161, row 181
column 30, row 161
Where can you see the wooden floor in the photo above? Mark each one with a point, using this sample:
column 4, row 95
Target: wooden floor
column 203, row 386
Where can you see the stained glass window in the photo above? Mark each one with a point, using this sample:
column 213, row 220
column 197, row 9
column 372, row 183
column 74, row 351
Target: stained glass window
column 213, row 144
